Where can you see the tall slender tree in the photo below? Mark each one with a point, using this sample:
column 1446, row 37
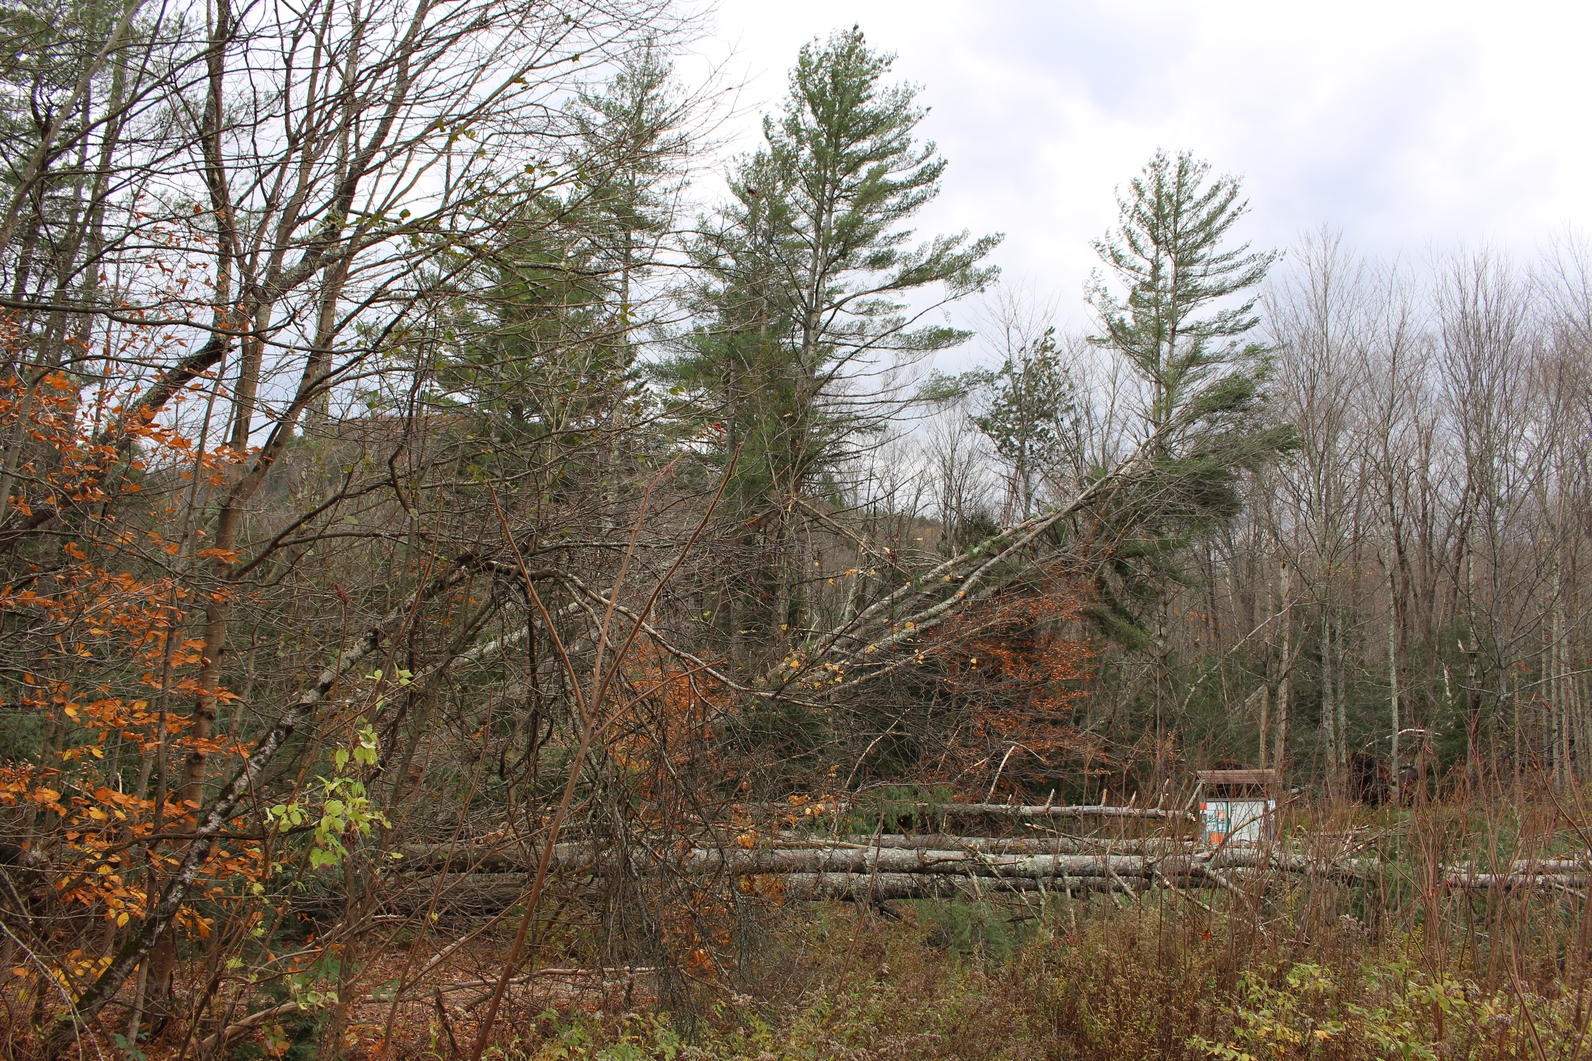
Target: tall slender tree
column 1176, row 301
column 803, row 306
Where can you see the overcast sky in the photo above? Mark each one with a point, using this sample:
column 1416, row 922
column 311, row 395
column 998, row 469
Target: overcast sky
column 1411, row 127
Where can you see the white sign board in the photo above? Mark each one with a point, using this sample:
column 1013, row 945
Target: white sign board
column 1237, row 821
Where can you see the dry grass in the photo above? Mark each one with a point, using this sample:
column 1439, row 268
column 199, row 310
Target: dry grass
column 1275, row 967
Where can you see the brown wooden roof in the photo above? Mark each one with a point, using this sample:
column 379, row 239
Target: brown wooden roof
column 1239, row 778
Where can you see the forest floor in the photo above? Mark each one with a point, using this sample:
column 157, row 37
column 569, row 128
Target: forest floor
column 1296, row 967
column 1082, row 979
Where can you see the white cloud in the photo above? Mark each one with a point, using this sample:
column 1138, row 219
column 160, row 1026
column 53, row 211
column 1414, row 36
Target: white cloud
column 1408, row 125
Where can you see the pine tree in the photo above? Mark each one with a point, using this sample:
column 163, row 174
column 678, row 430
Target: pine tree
column 630, row 150
column 801, row 312
column 1180, row 314
column 547, row 313
column 1181, row 320
column 1030, row 417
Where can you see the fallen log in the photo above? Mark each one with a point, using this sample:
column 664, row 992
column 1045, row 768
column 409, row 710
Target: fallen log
column 416, row 858
column 1022, row 811
column 901, row 874
column 1021, row 845
column 578, row 858
column 957, row 811
column 1554, row 873
column 883, row 887
column 1527, row 866
column 1036, row 858
column 1008, row 810
column 1262, row 859
column 946, row 863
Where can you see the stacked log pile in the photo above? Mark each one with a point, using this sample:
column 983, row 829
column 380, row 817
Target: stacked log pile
column 883, row 867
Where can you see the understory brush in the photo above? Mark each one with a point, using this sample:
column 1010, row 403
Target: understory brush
column 1159, row 978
